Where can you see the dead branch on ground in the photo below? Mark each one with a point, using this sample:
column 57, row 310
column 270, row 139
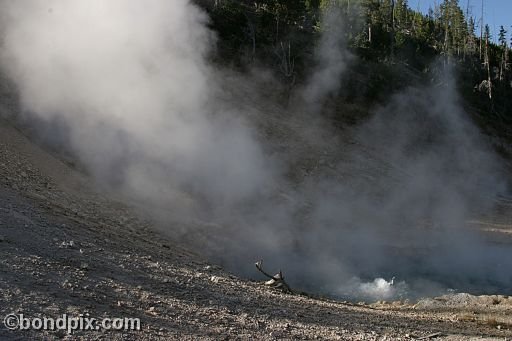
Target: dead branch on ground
column 276, row 280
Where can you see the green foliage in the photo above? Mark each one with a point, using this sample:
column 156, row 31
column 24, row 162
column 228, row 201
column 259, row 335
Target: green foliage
column 282, row 34
column 502, row 38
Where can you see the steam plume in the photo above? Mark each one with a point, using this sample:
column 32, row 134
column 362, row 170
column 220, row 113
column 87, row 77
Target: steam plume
column 145, row 111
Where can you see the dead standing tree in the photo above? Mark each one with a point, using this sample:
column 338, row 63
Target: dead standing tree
column 286, row 63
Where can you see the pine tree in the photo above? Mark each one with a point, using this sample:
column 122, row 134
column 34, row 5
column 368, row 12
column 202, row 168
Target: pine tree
column 511, row 40
column 371, row 9
column 502, row 39
column 471, row 37
column 401, row 13
column 458, row 27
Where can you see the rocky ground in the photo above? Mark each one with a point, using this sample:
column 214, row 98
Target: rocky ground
column 65, row 249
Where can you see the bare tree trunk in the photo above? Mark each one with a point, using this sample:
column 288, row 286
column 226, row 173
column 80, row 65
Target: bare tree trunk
column 277, row 28
column 502, row 64
column 467, row 38
column 445, row 44
column 252, row 34
column 392, row 34
column 487, row 62
column 481, row 29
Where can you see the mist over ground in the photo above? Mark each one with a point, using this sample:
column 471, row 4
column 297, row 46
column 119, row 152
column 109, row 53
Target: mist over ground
column 129, row 88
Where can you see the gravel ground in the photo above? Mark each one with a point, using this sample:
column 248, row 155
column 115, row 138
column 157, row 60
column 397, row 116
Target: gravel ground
column 65, row 249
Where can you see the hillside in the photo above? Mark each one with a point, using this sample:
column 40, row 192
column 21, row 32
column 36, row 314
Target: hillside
column 68, row 248
column 152, row 153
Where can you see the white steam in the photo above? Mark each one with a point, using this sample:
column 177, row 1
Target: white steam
column 331, row 59
column 145, row 111
column 131, row 81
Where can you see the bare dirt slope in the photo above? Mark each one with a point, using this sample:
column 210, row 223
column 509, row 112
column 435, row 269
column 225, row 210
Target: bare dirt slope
column 64, row 248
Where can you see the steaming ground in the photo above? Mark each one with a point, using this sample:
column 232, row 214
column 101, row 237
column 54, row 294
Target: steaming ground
column 411, row 203
column 395, row 216
column 127, row 88
column 68, row 247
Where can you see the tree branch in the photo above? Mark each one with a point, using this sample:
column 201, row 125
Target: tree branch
column 276, row 280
